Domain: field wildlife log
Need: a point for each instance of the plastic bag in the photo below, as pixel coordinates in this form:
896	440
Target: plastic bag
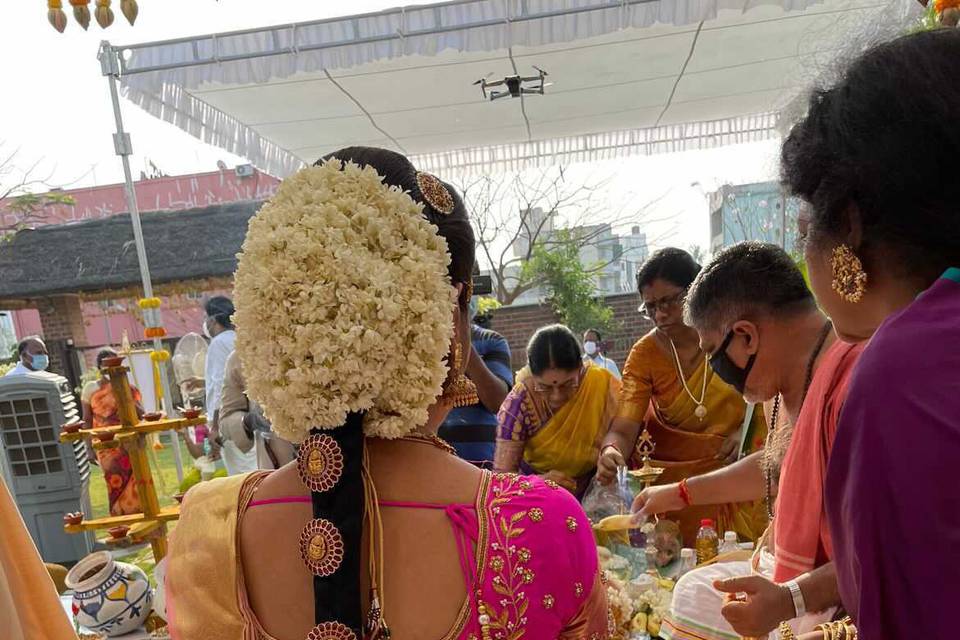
602	500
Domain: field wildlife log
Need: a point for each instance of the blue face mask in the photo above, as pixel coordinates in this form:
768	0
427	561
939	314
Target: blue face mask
40	362
474	307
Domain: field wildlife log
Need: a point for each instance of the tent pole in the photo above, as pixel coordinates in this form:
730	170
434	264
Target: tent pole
110	67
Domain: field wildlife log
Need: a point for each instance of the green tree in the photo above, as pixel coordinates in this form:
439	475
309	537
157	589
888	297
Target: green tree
569	284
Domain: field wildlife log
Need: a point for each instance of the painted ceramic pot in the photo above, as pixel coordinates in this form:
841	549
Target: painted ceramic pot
109	597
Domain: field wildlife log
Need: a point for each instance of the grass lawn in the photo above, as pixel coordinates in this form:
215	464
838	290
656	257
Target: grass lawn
165	478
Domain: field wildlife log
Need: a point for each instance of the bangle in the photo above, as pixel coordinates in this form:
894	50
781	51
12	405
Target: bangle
799	606
786	633
684	492
614	447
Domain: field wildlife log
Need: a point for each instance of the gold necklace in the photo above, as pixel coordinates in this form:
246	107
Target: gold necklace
431	439
701	410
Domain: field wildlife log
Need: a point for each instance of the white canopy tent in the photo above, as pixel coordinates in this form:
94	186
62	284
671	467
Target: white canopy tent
630	77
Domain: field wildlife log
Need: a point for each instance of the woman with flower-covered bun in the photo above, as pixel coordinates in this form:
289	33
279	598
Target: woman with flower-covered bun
352	293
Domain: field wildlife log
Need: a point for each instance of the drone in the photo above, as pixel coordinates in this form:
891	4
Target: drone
514	85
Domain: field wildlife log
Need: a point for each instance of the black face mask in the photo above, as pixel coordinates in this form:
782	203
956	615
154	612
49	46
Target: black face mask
724	367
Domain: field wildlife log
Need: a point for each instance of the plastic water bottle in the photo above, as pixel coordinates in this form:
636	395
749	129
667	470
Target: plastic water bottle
730	543
688	560
708	543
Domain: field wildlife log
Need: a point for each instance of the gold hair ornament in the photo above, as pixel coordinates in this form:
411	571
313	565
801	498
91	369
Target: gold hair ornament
435	193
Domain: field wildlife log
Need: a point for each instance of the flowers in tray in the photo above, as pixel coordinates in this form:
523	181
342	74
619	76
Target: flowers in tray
343	304
637	604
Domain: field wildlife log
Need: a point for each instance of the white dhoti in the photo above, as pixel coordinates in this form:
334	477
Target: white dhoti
695	609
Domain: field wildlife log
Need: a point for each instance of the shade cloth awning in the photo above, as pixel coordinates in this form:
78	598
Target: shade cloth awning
629	76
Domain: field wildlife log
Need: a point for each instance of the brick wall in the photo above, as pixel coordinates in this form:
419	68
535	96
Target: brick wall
62	320
518	323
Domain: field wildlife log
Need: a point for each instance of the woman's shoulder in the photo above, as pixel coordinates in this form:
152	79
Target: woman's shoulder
648	343
218	495
549	513
541	527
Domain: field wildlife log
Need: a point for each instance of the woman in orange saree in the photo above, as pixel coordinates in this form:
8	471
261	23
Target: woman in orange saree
698	422
100	409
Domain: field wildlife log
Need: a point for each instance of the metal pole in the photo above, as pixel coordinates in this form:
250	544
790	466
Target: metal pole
110	67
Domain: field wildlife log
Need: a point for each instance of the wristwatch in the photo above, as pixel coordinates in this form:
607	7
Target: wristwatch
799	606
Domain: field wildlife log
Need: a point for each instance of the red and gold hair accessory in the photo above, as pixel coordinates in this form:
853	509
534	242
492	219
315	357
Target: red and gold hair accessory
435	193
321	547
320	462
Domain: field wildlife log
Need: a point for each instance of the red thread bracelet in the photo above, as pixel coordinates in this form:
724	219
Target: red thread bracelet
684	492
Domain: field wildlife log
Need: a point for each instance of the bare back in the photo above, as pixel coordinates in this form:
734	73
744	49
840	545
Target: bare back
425	589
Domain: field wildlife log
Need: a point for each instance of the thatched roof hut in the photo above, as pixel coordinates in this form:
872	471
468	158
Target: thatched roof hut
100	254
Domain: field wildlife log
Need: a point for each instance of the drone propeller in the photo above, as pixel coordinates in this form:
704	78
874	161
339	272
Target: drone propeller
484	78
541	71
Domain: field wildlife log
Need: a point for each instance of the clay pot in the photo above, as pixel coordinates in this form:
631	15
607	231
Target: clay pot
152	416
116	361
190	414
73	518
110	597
118	531
105	437
72	427
179	498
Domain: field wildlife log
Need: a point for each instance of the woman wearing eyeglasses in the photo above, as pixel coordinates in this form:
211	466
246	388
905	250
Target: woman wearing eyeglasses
553	421
695	418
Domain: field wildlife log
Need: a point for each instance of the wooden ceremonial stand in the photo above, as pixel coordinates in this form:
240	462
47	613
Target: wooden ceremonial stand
131	434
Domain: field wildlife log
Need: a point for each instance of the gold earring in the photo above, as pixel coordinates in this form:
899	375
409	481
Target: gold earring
849	278
462	392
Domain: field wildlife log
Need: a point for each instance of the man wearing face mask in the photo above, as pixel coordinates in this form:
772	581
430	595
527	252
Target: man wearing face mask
766	337
33	357
592	341
218	327
473	430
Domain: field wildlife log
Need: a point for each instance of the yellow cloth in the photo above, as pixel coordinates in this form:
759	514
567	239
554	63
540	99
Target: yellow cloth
569	442
29	604
202	580
687	446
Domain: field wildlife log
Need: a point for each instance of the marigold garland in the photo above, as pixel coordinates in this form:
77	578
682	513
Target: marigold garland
343	304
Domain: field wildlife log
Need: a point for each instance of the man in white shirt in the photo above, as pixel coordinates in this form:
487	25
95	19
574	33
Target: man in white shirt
592	342
218	327
33	357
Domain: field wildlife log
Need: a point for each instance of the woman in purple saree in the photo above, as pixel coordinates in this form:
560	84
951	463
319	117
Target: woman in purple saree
876	160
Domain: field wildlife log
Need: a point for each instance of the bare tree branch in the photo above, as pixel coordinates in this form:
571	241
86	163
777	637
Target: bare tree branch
25	198
513	215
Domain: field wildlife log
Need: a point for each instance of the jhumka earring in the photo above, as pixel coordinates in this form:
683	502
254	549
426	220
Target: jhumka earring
849	278
462	392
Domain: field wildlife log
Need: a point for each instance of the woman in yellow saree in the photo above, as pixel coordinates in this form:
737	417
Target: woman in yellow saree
553	421
697	421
